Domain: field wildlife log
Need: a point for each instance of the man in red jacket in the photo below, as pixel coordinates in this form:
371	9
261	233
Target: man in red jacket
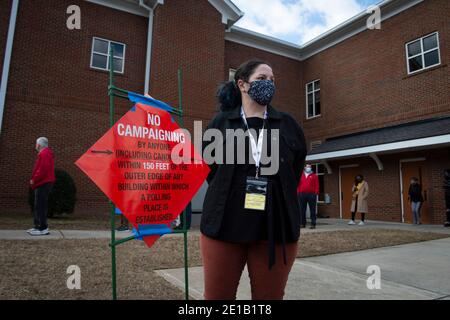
308	190
41	182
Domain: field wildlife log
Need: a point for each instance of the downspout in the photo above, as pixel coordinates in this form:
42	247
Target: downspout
7	59
149	43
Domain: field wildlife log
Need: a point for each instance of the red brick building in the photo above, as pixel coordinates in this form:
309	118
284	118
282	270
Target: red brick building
374	102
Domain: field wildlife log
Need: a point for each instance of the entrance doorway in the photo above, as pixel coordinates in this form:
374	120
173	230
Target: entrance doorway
408	169
346	180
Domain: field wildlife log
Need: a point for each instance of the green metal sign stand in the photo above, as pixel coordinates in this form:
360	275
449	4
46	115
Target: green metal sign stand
113	92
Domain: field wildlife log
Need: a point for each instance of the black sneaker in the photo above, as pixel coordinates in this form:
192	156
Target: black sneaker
122	228
312	227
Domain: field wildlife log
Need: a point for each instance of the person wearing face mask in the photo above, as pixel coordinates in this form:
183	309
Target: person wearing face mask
447	196
308	190
360	192
41	182
250	216
415	198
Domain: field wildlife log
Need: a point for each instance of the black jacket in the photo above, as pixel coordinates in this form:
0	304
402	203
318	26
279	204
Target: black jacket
291	161
415	193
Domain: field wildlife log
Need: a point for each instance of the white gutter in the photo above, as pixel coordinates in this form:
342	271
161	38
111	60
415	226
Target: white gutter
386	147
149	43
7	59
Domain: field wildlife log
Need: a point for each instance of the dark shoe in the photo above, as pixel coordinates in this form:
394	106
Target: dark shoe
303	226
122	228
447	224
312	227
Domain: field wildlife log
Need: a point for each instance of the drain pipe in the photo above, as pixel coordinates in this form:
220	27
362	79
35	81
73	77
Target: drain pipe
149	42
7	59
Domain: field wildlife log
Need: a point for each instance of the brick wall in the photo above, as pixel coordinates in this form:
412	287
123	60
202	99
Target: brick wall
189	35
53	92
5	12
364	81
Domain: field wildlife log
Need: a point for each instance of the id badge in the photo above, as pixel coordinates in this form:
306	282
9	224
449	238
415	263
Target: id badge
255	193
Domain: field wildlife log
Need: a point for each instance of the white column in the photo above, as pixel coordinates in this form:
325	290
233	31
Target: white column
7	60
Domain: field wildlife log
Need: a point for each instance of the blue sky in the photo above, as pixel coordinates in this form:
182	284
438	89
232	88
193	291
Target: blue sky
297	21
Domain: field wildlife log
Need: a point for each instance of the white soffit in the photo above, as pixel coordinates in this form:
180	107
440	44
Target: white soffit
262	42
386	147
130	6
230	12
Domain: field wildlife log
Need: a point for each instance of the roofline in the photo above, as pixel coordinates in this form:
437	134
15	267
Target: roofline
121	5
263	42
341	32
385	147
400	125
230	12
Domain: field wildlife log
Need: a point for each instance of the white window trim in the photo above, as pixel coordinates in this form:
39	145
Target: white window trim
316	164
422	53
314	99
229	73
107	55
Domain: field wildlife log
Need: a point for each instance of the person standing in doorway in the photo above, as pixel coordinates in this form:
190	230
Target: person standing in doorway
308	190
447	196
415	198
41	182
360	192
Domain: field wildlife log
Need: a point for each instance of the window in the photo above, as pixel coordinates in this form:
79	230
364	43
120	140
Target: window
100	55
319	169
313	99
315	144
231	74
423	53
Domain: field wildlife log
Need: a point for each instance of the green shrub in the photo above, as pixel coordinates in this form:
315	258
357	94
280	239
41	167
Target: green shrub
62	197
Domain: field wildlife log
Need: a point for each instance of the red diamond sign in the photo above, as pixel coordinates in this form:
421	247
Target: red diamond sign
147	166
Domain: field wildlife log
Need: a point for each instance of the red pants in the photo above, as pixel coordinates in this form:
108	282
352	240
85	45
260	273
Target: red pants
224	262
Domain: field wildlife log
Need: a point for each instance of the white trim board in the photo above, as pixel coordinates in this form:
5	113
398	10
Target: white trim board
394	146
265	43
230	12
403	5
121	5
7	57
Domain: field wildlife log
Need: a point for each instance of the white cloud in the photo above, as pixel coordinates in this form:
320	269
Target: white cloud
296	21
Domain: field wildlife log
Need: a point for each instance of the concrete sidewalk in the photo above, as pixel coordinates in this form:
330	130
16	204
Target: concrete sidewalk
417	271
323	225
340	224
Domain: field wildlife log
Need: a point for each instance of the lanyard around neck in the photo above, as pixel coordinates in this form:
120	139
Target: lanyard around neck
256	146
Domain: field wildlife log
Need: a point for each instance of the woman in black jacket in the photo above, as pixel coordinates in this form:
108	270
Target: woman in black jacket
251	215
415	198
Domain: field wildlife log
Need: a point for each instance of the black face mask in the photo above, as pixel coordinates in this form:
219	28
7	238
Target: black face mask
262	91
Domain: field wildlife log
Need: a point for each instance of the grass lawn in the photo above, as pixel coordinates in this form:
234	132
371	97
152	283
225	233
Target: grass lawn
37	269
